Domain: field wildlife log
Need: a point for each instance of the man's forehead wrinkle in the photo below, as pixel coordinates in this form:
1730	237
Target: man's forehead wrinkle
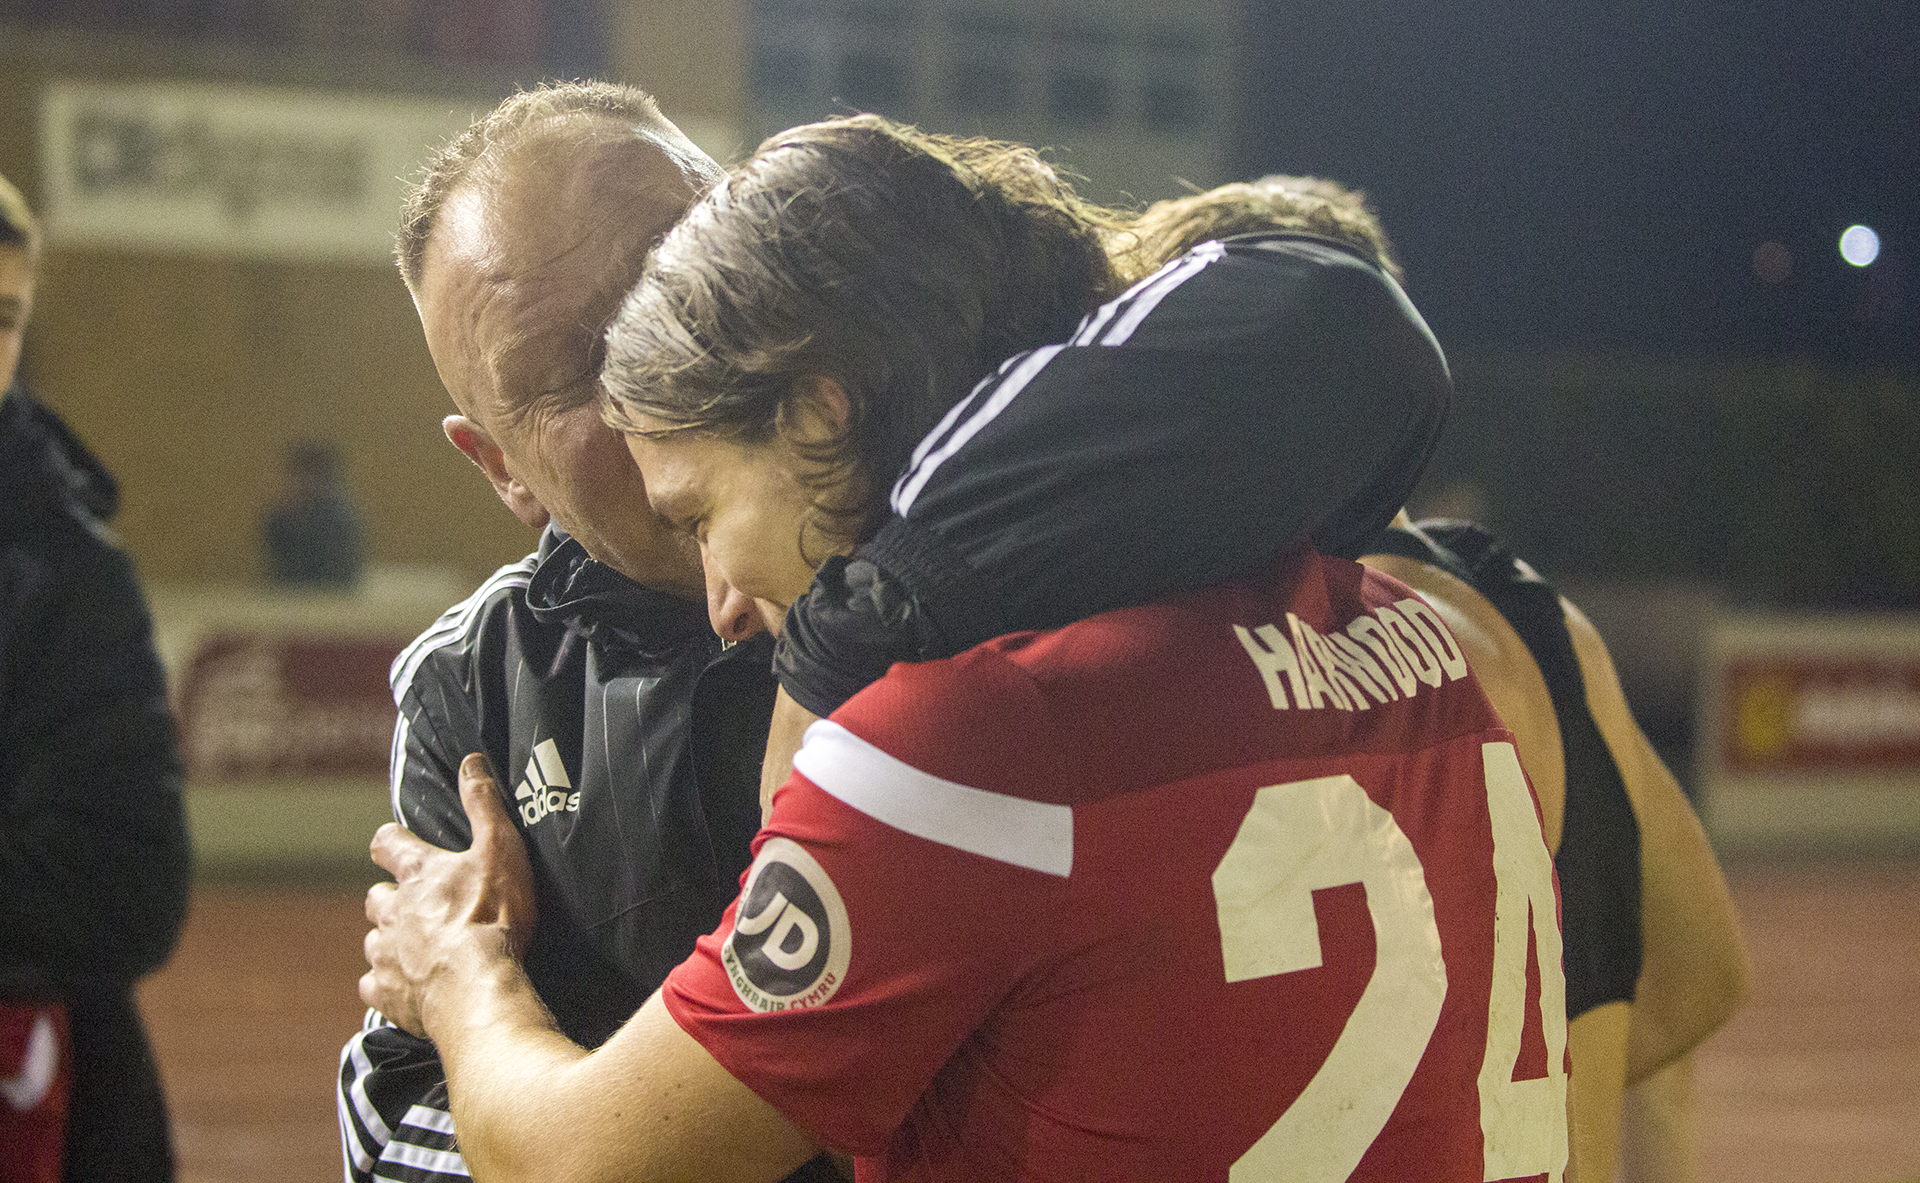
539	350
549	304
598	234
547	191
597	166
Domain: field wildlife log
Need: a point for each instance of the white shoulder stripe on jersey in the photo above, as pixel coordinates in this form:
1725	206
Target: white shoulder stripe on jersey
1091	325
1093	322
1160	287
938	435
1016	381
1008	829
934	438
455	622
1130	309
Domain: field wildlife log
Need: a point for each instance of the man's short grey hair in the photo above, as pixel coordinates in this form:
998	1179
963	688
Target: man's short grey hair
553	110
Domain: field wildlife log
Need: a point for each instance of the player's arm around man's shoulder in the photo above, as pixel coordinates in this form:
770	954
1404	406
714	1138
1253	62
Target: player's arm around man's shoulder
649	1104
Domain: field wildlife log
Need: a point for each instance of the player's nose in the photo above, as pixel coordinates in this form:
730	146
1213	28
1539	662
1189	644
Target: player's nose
734	617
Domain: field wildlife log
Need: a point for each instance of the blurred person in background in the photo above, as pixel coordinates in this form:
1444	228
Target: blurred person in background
627	735
1653	954
94	856
313	536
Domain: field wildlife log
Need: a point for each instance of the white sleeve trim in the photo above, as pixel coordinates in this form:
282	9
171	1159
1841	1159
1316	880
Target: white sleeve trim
426	1117
397	765
357	1092
454	624
443	1162
1113	323
1147	296
998	826
911	482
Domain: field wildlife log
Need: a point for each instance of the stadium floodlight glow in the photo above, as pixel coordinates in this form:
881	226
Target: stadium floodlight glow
1859	245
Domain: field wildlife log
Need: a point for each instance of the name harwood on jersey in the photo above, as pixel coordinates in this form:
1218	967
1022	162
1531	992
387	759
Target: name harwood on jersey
1388	652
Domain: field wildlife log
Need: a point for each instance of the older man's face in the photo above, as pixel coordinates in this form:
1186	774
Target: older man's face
517	283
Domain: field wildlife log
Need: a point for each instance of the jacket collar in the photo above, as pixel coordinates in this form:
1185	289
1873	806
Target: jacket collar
43	460
570	588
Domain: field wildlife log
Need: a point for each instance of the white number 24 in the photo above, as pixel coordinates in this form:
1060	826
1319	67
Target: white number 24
1301	837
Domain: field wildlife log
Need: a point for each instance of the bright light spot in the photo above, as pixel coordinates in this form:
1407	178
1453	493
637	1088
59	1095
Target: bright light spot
1859	245
1772	262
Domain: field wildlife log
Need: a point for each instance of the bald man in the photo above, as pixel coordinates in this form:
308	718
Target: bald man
626	734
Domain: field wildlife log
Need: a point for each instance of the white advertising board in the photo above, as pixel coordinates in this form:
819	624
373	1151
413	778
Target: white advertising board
1811	730
232	171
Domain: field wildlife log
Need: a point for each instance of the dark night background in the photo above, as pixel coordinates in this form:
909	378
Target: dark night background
1598	175
1577	192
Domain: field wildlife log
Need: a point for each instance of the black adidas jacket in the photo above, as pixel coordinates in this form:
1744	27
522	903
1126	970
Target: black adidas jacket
627	741
94	858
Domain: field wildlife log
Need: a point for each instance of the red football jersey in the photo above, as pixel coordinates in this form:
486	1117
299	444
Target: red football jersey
1245	885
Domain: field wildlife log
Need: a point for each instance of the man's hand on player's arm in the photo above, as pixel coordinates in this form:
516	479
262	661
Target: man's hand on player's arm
529	1103
450	913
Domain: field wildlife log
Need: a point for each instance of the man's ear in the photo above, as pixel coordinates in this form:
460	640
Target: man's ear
473	440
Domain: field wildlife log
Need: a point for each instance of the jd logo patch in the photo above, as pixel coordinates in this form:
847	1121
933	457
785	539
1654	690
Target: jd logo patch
790	942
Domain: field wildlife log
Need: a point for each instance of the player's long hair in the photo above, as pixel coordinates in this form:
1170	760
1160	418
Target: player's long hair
1168	229
901	264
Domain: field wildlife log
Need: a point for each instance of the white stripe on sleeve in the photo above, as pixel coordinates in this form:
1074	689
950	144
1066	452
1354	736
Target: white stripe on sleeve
1016	381
453	623
1160	287
397	764
444	1162
998	826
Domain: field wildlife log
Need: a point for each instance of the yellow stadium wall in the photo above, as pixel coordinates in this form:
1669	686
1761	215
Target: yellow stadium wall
188	375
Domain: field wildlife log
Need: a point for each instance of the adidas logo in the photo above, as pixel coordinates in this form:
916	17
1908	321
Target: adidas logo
544	789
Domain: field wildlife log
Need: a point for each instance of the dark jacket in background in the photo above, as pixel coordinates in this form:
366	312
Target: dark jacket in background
94	857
